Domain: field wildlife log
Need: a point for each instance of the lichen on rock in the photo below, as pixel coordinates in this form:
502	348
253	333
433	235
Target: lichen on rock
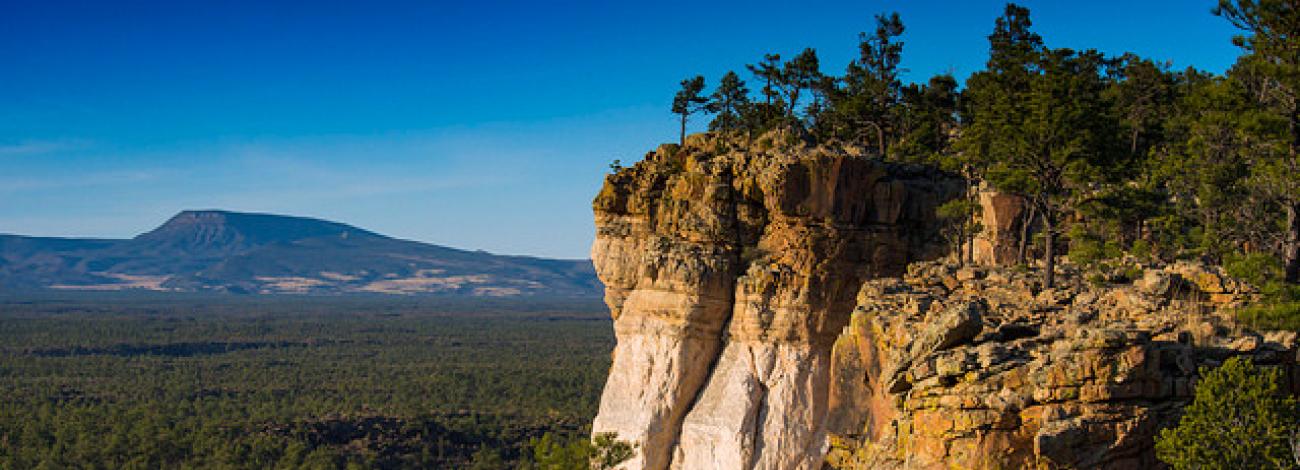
1078	376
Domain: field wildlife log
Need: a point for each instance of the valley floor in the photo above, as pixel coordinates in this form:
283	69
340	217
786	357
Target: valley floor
169	382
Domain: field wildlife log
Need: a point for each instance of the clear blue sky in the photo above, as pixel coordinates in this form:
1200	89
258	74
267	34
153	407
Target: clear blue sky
484	125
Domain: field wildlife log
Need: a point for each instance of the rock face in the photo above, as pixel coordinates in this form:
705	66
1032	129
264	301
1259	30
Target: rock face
1002	217
729	276
1071	377
775	310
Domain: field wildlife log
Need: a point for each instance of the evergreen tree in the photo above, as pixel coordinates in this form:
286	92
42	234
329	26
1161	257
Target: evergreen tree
867	106
1270	69
1240	418
994	102
1143	95
728	102
1038	122
688	101
799	74
762	115
927	120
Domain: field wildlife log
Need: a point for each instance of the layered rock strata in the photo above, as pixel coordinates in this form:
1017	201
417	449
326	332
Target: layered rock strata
985	369
729	275
774	310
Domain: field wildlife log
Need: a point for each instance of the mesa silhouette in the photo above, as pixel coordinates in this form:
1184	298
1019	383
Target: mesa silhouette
245	253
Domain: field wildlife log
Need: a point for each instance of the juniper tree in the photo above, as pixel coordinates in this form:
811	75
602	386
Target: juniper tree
1241	417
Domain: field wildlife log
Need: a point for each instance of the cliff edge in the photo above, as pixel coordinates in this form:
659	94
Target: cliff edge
785	309
729	275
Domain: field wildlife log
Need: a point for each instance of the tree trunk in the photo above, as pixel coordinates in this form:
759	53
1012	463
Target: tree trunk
1049	251
1026	222
682	140
972	196
1133	143
1291	250
880	140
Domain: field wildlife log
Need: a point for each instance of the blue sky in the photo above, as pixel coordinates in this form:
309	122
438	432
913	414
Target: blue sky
484	125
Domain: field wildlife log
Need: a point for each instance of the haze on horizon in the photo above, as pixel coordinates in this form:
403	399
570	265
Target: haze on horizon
479	125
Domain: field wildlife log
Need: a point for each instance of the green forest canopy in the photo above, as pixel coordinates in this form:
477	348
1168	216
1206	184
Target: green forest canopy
1119	150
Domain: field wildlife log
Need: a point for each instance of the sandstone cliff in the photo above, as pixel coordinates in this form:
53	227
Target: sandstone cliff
767	317
729	275
983	368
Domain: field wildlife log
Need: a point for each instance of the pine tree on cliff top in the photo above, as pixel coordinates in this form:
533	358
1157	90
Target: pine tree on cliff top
872	91
1038	122
728	102
1270	69
688	101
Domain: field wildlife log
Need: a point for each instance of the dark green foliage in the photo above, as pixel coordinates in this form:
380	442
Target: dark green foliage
1270	72
1240	418
603	452
1172	164
1037	121
729	102
688	101
928	117
799	74
866	109
146	382
1279	306
959	222
1090	246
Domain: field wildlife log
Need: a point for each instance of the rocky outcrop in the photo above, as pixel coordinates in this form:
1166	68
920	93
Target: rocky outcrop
1002	222
775	310
729	275
1072	377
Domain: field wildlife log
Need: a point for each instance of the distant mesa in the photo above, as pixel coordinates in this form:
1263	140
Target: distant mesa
248	253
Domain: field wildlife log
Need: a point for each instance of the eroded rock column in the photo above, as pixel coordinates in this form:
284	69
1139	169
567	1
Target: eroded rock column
666	249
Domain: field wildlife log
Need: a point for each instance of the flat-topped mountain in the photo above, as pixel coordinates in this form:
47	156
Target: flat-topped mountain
223	251
218	232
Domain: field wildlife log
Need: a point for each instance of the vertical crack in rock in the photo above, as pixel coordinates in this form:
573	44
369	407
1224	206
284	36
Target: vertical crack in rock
771	246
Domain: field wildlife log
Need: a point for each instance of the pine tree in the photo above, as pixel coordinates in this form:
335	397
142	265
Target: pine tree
1038	122
1270	69
868	105
688	101
994	102
799	74
728	102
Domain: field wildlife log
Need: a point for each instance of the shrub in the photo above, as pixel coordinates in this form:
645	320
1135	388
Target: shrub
1240	418
1141	249
1133	273
1279	305
1256	268
603	452
1088	247
1272	316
